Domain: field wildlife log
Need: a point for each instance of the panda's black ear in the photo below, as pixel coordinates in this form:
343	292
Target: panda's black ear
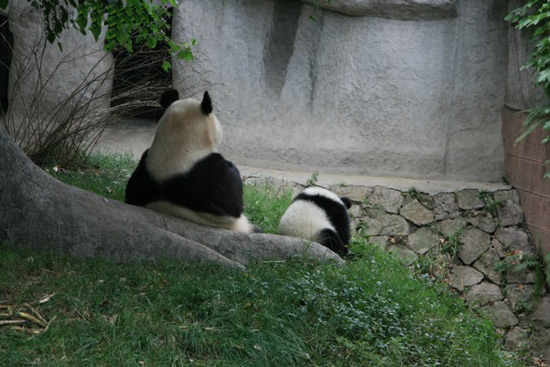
168	97
206	104
346	201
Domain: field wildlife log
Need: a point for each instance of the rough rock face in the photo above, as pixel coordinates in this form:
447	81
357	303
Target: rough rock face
362	94
38	84
397	9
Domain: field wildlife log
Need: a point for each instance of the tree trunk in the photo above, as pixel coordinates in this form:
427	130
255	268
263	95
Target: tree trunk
41	213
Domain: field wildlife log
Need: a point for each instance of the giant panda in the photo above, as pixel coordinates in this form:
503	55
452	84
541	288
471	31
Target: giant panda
319	215
183	174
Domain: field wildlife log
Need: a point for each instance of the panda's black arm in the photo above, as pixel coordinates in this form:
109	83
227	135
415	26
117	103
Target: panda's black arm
141	188
330	239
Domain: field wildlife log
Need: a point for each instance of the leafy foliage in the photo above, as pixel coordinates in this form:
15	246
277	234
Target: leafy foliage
122	19
535	14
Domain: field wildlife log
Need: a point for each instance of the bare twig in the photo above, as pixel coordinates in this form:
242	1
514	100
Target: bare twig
71	128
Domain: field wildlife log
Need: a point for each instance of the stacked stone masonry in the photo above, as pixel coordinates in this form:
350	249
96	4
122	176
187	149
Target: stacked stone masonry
479	237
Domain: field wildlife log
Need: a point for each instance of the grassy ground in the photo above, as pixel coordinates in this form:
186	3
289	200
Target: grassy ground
371	312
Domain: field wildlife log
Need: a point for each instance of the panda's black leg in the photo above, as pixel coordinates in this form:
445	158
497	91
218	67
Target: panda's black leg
330	239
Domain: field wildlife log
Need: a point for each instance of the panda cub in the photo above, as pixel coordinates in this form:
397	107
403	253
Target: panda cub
183	174
319	215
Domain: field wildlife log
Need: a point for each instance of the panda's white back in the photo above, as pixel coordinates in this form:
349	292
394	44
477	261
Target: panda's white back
304	219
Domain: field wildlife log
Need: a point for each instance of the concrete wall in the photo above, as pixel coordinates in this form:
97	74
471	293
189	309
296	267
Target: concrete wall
407	89
525	169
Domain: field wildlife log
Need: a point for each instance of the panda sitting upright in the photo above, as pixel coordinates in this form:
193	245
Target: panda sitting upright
319	215
182	173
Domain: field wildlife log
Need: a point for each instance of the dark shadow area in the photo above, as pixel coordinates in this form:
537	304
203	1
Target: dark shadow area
139	79
280	44
6	51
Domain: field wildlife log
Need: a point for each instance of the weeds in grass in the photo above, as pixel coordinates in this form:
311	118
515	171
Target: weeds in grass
452	244
491	205
519	262
312	181
265	204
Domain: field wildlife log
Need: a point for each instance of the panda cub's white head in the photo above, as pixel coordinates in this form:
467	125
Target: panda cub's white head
319	215
187	132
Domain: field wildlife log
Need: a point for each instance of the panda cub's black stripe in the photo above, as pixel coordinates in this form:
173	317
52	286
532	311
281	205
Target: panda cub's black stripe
335	212
213	185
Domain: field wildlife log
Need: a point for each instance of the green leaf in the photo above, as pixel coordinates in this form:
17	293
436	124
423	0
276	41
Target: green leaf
50	37
544	75
96	30
151	43
526	132
4	4
166	65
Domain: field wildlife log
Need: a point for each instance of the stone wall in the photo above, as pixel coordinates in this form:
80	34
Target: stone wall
402	88
470	239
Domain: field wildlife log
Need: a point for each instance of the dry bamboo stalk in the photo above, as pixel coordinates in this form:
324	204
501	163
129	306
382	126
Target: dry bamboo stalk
12	322
36	313
32	318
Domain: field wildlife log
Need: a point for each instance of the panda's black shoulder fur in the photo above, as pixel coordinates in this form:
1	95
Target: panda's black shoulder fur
335	211
168	97
213	185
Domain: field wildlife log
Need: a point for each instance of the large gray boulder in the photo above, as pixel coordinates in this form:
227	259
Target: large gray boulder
43	214
364	95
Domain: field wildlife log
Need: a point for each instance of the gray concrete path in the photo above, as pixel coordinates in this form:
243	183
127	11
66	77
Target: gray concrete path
133	136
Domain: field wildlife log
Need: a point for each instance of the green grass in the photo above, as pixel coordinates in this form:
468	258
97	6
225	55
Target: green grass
265	204
371	312
104	175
